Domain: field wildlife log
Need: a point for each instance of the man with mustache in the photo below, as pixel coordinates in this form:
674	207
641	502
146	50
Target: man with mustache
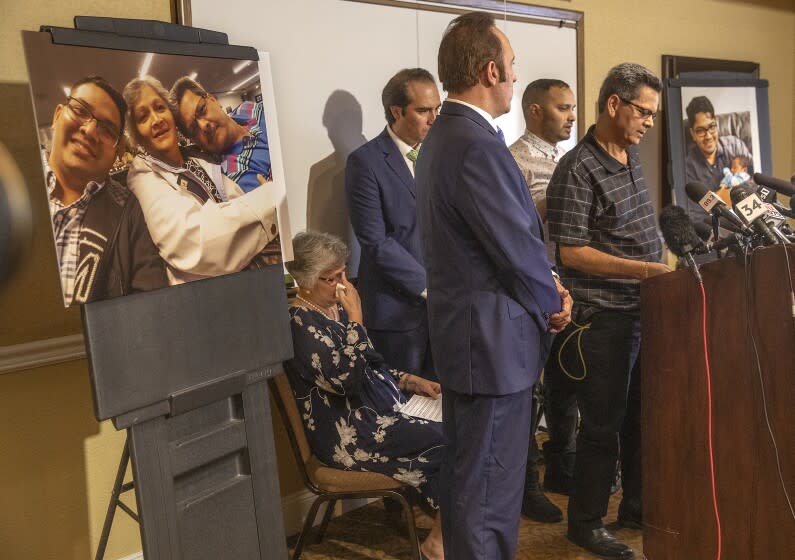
240	139
602	219
549	113
103	246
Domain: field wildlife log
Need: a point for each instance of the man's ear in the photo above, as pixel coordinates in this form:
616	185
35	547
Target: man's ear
57	113
396	112
492	73
612	105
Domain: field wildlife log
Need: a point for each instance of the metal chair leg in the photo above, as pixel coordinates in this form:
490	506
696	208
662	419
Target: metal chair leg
410	525
114	500
326	518
307	528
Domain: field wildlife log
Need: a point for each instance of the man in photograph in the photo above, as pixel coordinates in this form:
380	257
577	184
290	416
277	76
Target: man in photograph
602	218
379	183
493	302
548	107
711	153
103	246
239	138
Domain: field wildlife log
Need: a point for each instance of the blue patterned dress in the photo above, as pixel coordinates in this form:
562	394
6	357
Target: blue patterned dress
348	399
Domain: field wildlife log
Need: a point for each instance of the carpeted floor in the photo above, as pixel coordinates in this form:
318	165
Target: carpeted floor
369	532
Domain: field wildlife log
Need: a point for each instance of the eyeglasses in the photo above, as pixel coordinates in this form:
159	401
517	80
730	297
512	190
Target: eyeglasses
336	279
198	113
80	113
643	111
701	131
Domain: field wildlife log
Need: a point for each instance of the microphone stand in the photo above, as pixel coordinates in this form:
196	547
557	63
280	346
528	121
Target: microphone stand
716	232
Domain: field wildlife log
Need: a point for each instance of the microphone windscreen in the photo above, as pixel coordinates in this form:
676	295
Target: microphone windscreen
703	231
739	193
678	231
696	191
779	185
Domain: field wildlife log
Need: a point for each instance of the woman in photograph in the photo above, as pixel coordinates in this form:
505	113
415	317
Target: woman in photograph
348	397
201	221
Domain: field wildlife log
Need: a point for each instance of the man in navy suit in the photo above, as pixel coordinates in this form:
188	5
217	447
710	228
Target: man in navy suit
493	302
379	182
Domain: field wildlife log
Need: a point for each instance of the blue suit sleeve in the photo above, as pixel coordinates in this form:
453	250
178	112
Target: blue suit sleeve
397	265
495	206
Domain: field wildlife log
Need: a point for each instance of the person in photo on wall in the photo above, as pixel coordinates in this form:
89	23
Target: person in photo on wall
711	152
201	221
103	247
239	139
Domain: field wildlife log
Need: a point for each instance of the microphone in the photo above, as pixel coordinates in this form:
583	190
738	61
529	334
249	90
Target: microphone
768	196
779	185
712	204
681	236
753	212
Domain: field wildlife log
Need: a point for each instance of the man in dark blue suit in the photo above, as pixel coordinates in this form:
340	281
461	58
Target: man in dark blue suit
379	182
493	302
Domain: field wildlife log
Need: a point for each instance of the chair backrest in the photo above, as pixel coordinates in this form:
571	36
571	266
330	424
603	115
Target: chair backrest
291	416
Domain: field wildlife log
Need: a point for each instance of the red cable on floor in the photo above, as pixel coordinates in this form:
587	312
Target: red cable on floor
709	422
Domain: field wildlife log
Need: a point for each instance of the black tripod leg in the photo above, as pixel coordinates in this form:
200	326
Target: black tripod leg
114	500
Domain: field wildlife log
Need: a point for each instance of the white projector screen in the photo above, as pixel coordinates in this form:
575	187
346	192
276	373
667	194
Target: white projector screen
330	59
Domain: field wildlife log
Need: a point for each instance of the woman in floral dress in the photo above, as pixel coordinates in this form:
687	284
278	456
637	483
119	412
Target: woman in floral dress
349	398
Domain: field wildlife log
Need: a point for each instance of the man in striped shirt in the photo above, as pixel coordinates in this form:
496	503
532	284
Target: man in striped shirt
602	219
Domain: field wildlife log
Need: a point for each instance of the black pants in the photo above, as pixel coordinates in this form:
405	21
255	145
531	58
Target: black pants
604	360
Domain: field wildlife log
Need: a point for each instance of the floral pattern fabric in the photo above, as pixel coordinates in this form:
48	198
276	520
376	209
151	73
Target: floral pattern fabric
349	401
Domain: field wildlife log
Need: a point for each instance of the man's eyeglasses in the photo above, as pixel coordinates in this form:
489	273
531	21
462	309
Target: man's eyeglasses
336	279
642	111
198	113
701	131
80	112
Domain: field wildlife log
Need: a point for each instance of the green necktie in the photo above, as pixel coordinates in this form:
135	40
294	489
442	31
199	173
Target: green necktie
413	154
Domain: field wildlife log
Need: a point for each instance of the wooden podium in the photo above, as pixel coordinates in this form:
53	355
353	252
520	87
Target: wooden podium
679	521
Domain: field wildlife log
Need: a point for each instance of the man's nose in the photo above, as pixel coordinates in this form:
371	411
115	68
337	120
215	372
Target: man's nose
89	128
432	117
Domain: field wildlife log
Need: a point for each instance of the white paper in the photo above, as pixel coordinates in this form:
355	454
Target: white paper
423	407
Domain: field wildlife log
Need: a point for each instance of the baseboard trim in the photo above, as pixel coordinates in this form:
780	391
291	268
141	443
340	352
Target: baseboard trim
29	355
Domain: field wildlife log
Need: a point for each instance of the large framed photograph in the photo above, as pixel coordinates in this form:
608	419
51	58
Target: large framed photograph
159	168
718	129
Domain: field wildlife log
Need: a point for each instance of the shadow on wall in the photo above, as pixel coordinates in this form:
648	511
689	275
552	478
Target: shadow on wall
326	205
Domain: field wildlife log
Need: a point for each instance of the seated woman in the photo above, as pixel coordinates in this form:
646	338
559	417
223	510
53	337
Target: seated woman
202	223
348	396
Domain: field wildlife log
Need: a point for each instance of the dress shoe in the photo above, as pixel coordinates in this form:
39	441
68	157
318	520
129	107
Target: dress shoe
630	514
537	507
600	542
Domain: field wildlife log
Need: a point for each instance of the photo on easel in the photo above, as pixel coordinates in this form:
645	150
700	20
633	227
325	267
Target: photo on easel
159	169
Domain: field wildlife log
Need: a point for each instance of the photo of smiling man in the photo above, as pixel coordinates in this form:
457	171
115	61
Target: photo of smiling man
102	243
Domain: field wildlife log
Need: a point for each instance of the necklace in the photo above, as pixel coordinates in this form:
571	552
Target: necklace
316	308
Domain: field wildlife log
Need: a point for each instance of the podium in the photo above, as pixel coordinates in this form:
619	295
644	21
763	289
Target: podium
743	298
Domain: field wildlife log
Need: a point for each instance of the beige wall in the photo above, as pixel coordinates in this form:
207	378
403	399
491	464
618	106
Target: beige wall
640	31
56	462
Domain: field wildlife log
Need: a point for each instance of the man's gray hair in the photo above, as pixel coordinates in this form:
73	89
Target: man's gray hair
314	252
132	93
625	81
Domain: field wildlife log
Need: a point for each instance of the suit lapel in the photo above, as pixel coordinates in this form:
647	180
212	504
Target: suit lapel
394	160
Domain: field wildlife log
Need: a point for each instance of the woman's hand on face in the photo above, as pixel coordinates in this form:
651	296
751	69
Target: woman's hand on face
349	299
421	386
